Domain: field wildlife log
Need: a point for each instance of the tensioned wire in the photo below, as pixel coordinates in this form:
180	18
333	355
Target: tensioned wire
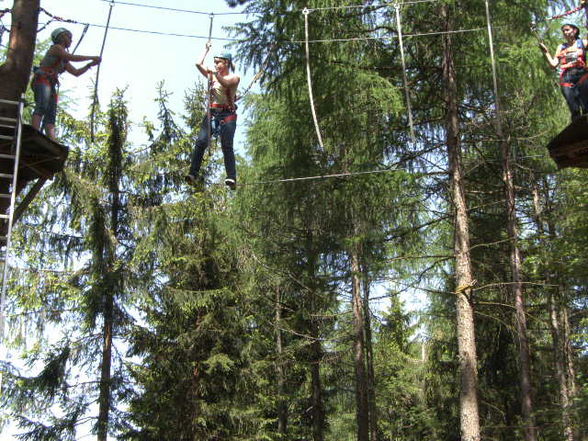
293	11
306	42
204	37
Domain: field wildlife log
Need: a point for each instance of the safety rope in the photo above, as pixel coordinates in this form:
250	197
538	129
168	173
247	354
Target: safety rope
305	12
583	5
320	177
57	18
565	14
81	37
404	75
258	75
95	97
209	100
493	61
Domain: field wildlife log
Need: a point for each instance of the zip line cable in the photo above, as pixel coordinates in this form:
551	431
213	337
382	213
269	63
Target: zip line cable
421	34
95	98
164	8
293	11
202	37
309	79
404	75
209	103
336	175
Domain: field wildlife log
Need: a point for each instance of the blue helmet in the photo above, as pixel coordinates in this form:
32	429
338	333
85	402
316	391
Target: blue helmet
226	56
57	33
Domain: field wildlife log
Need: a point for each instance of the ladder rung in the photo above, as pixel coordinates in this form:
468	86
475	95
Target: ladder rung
4	216
6	126
7	156
6	175
16	103
7	119
6	137
5	196
3	238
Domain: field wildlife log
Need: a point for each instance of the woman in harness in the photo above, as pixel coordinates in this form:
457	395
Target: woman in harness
223	116
571	59
46	78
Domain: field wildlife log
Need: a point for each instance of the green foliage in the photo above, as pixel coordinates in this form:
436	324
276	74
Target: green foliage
231	312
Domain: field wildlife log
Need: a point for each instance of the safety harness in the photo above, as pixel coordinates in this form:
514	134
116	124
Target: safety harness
49	74
572	56
229	107
225	108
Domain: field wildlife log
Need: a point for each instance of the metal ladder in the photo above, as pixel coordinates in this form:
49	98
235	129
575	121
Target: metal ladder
9	180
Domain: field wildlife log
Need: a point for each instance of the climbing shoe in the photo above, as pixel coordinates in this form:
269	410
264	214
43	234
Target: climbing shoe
231	183
194	181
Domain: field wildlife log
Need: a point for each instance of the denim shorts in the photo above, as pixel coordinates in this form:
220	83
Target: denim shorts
45	102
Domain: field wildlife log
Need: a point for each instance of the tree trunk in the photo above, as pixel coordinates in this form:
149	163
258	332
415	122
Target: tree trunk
557	326
361	384
105	374
316	350
16	70
469	417
517	285
369	352
116	140
282	405
560	369
568	351
318	411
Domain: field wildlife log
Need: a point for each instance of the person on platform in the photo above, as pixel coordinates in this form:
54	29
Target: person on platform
46	78
570	57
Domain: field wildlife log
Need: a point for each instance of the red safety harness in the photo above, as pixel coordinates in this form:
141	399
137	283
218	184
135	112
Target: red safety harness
575	58
226	108
49	74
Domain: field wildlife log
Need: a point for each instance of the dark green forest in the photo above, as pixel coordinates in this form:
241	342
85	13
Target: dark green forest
419	274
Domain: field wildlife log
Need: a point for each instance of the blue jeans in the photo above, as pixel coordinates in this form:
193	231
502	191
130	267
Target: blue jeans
576	95
226	131
45	102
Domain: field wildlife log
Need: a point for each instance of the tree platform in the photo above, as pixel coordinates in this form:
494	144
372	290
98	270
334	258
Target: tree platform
40	159
570	147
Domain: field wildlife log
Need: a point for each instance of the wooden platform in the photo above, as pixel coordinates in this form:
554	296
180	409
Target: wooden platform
570	147
40	159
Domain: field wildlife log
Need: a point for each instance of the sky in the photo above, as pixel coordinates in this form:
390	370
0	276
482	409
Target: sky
137	60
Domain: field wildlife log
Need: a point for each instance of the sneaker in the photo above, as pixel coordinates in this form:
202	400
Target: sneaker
231	183
190	179
195	182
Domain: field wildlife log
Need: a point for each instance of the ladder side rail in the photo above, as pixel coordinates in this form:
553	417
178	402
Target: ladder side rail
18	141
